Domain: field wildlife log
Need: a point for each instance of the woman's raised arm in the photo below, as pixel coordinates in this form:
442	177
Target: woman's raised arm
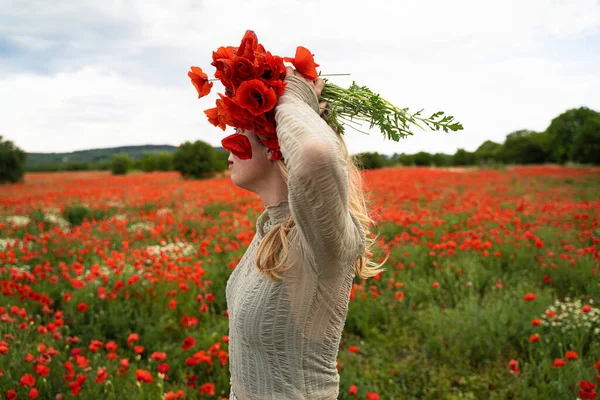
318	178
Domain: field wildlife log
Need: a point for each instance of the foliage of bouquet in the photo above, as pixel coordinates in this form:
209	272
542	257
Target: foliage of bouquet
254	79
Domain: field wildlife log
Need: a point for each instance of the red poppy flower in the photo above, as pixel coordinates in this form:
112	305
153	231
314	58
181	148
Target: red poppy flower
304	62
101	375
200	81
238	145
353	390
571	355
27	380
353	349
143	376
188	343
558	362
243	70
248	45
270	68
529	297
217	115
223	53
587	390
158	356
133	337
256	97
235	115
33	393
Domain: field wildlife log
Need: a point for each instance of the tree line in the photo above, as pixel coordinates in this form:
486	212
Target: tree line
573	136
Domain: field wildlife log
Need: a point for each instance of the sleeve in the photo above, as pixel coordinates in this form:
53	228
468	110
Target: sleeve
318	179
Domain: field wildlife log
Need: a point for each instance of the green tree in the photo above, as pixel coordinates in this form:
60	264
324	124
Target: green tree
148	163
164	161
463	157
369	160
586	146
12	162
525	147
120	164
196	160
422	158
488	152
406	159
563	130
441	160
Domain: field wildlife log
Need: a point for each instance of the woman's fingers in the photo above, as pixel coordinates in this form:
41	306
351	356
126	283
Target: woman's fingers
322	107
319	85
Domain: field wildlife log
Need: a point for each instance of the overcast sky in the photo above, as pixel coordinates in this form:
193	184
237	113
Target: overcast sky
86	74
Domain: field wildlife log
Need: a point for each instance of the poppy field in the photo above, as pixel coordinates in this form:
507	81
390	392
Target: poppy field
113	287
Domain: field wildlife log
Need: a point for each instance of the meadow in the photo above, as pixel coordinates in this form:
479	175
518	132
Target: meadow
114	286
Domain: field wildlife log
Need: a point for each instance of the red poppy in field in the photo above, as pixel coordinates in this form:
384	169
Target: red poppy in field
534	338
75	386
174	396
587	390
163	368
372	396
111	346
200	81
207	388
82	307
158	356
27	380
189	322
536	322
558	362
304	62
571	355
529	297
353	390
353	349
133	337
101	375
238	145
143	376
11	394
587	308
33	393
188	343
256	97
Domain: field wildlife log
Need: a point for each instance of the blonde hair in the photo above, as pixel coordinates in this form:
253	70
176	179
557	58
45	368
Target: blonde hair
273	249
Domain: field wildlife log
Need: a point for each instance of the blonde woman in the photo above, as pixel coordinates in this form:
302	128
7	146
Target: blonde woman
288	296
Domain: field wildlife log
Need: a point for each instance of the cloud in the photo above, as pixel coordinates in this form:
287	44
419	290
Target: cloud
101	74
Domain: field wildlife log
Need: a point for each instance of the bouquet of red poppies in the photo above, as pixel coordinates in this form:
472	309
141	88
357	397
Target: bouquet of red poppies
254	79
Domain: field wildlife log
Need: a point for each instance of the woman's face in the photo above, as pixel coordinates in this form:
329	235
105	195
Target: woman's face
251	174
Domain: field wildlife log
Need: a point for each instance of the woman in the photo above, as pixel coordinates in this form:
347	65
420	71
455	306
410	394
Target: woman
288	296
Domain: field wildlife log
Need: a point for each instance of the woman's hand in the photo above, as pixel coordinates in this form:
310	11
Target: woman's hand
317	86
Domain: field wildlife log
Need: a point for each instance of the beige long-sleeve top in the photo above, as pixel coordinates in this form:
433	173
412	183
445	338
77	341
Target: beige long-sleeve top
284	335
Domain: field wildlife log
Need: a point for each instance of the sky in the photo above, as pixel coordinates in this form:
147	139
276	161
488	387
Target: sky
84	74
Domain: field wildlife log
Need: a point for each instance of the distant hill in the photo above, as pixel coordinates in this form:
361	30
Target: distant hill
97	155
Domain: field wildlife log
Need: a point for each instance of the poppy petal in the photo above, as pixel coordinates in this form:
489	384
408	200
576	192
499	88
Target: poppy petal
238	145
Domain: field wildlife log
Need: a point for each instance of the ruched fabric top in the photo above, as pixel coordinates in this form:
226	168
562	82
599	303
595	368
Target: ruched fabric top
284	335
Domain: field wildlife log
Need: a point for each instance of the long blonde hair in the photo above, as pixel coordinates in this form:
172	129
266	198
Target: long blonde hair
273	249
